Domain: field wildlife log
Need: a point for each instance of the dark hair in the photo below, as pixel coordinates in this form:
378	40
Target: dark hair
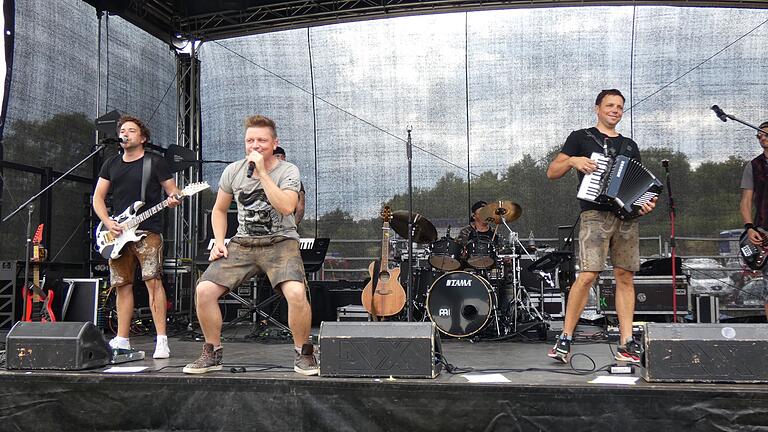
611	92
142	127
279	151
261	121
763	125
478	205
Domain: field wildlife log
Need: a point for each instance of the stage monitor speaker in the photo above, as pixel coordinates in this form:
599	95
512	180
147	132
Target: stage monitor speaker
706	353
56	345
379	349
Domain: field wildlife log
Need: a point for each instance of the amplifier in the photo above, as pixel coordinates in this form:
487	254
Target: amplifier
379	349
352	313
707	308
706	353
554	304
653	295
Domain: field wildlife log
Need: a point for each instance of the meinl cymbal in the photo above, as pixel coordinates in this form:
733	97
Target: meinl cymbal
423	230
496	210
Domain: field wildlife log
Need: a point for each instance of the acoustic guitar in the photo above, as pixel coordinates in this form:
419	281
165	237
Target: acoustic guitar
384	296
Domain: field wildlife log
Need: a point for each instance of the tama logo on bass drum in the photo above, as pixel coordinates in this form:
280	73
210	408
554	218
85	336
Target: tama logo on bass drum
459	282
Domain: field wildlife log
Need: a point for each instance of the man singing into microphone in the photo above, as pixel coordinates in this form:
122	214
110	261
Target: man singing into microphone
122	175
600	229
266	192
753	193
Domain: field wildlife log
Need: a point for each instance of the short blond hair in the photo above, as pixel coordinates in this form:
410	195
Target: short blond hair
261	121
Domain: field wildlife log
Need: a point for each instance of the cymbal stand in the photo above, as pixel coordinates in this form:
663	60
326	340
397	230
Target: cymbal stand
518	290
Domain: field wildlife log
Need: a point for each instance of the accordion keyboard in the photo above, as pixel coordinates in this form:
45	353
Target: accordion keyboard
591	184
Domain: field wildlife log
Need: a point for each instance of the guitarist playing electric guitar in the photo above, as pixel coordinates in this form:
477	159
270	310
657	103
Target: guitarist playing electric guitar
754	194
383	295
136	176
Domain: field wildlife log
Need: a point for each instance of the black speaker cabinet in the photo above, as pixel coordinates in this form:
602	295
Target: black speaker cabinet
706	353
57	345
379	349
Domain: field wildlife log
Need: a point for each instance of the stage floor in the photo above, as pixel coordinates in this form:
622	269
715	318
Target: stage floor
270	396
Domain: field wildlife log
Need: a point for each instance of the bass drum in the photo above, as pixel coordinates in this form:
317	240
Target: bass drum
460	303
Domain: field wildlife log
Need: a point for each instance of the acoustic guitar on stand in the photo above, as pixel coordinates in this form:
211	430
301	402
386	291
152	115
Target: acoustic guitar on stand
384	296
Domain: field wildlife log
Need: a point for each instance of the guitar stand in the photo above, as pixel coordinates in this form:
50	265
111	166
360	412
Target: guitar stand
255	309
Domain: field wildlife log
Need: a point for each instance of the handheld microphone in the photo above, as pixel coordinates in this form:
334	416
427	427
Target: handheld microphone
719	112
251	167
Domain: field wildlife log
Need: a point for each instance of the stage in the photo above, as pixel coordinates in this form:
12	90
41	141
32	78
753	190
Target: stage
270	396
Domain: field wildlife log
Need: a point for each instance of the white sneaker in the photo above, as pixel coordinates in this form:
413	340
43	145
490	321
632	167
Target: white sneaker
161	349
119	343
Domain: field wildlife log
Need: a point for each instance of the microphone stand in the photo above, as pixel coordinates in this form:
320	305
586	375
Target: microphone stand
99	148
724	117
672	240
409	293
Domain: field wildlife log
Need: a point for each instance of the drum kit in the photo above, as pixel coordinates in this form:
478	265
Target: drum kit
477	288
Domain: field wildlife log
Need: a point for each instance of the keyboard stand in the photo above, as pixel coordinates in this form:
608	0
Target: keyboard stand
255	309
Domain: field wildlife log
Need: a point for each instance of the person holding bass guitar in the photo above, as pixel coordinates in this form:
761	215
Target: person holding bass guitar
125	176
754	185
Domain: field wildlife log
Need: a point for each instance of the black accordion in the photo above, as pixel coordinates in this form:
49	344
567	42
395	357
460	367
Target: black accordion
621	182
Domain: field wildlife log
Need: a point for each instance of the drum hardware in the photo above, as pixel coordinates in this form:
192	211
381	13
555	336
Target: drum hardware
520	298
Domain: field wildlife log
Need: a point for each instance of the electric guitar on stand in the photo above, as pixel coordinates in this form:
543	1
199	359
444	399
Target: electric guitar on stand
383	295
37	302
110	246
754	256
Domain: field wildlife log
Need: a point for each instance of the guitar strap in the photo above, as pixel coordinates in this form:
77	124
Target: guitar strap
146	173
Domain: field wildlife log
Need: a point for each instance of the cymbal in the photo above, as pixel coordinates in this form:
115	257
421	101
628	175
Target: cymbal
495	211
423	230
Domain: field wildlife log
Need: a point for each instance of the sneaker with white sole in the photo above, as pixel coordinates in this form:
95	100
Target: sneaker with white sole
210	360
305	362
121	343
161	349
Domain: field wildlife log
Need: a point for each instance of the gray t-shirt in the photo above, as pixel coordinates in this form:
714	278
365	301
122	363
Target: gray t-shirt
255	215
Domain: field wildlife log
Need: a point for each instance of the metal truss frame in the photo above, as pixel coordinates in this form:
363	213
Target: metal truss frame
220	19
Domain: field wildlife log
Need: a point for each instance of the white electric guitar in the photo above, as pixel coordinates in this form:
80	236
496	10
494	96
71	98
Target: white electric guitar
110	246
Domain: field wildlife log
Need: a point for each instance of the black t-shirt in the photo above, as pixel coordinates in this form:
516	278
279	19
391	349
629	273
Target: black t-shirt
125	178
581	144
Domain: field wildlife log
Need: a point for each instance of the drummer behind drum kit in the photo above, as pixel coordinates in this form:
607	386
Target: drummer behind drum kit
468	289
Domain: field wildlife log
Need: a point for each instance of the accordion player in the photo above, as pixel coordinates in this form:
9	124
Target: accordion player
622	182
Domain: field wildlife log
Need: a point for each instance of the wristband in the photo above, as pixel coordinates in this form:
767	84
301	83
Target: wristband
749	226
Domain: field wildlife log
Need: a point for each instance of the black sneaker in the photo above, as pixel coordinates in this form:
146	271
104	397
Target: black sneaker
561	350
306	363
630	352
209	360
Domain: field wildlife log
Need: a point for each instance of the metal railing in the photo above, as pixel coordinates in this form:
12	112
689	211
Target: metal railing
661	248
